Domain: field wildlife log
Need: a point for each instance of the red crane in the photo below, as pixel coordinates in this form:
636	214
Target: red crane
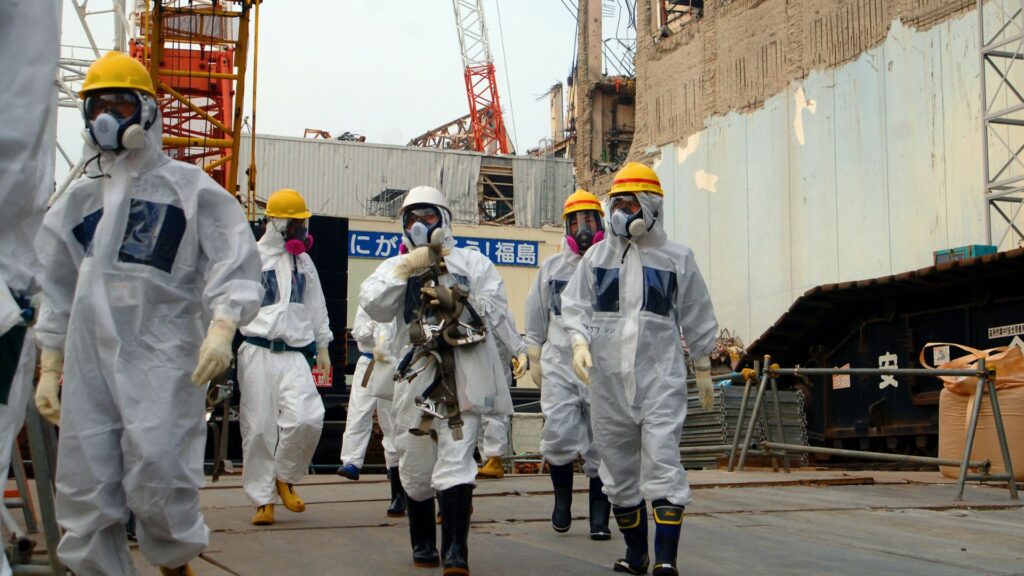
487	124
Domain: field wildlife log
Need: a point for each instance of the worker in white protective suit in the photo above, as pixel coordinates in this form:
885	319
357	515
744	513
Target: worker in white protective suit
373	340
493	443
564	399
281	414
29	48
444	465
137	253
493	446
624	309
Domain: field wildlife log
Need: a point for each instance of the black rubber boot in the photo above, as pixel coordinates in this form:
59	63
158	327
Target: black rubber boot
633	525
561	480
422	533
397	507
458	506
668	524
600	510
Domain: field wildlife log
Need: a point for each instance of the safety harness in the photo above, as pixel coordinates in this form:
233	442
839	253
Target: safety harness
435	333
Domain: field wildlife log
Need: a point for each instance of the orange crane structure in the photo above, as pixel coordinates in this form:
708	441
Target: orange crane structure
486	122
197	52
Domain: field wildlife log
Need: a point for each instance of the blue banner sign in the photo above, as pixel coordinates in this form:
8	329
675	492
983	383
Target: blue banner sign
365	244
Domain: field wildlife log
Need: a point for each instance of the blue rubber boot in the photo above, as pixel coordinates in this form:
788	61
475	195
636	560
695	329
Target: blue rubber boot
668	524
600	510
561	480
632	523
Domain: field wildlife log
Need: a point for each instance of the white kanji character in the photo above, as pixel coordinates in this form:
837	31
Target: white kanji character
505	252
526	254
472	245
888	360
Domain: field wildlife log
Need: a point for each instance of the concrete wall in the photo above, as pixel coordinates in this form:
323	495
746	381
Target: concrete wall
743	52
855	171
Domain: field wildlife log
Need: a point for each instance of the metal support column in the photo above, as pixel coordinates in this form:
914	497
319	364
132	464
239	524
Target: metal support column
41	443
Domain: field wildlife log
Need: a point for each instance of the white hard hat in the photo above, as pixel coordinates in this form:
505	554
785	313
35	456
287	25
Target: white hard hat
424	195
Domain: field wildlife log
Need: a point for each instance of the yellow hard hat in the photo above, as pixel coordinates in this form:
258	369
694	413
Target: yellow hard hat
117	70
581	200
287	203
635	177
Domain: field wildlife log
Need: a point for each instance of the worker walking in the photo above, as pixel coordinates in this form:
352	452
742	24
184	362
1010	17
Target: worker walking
624	309
137	253
449	378
493	446
373	340
564	398
281	413
29	48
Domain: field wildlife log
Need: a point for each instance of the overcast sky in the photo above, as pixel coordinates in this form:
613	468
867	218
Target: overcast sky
390	70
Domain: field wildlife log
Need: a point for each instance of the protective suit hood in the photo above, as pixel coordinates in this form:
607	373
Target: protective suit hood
272	241
569	255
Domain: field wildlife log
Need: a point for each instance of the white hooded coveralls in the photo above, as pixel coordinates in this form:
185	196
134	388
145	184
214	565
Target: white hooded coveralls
564	399
138	254
426	466
29	47
630	305
494	433
281	413
361	404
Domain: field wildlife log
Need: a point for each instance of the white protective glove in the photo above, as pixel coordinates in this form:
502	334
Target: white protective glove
412	262
215	353
519	365
581	361
323	360
705	388
380	349
51	366
533	352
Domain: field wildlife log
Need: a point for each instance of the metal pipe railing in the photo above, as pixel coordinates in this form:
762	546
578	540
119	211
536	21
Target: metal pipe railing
985	383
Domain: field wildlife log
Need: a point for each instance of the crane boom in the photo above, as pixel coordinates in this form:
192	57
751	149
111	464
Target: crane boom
489	134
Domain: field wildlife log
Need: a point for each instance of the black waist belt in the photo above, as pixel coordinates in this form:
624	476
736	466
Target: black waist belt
309	350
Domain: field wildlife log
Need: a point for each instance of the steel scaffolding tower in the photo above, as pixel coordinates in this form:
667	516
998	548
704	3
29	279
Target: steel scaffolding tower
1001	37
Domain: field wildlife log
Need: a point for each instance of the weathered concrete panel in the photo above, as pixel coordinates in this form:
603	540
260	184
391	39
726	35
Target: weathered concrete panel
862	192
854	172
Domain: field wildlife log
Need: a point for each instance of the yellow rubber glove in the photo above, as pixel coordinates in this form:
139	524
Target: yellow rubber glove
414	261
519	365
535	374
48	391
581	361
705	388
215	353
323	360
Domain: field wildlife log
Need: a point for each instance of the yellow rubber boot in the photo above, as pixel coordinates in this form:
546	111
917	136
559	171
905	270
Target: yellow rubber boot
289	497
493	468
183	571
264	515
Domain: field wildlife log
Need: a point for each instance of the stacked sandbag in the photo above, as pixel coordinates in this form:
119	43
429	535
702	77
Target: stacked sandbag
986	440
952	429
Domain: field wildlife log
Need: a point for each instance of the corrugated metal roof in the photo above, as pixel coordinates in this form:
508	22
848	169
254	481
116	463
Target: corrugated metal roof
343	178
822	308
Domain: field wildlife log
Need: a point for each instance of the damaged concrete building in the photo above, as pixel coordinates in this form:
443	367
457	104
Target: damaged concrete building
800	142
